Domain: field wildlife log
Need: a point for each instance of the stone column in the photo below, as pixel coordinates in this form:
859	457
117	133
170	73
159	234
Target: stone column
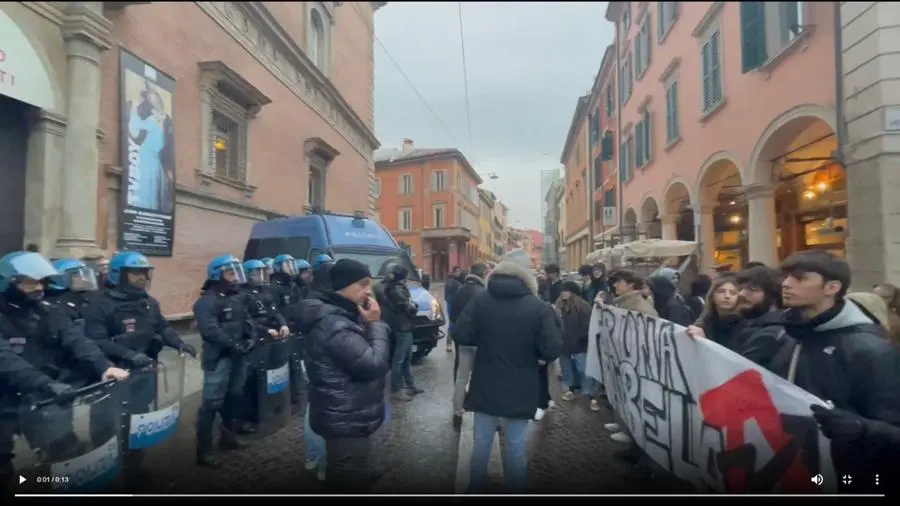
43	186
427	263
669	230
453	253
761	224
705	232
872	154
85	32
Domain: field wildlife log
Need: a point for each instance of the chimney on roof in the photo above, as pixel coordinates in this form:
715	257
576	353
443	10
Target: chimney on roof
407	146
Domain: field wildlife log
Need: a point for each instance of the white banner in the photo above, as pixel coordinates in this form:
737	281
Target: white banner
704	413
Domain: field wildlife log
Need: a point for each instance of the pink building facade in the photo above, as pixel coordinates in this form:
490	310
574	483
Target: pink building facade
727	127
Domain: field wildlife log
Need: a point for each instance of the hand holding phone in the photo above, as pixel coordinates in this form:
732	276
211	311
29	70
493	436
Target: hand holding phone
370	310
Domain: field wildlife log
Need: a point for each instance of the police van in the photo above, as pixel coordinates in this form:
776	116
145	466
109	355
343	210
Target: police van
350	236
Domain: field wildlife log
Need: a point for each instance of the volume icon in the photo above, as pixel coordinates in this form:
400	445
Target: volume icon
817	479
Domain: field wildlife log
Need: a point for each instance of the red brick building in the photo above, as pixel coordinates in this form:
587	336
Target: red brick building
266	108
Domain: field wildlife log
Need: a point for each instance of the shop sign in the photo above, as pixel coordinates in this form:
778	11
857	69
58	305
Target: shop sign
22	74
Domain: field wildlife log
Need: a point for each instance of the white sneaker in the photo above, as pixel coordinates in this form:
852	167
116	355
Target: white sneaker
612	427
539	414
312	464
621	437
320	475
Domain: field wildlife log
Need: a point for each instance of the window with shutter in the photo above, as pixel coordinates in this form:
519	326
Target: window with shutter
712	71
639	144
610	100
638	52
753	35
672	131
667	14
648	137
606	147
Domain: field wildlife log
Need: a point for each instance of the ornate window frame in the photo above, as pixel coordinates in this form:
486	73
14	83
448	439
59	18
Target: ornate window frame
223	91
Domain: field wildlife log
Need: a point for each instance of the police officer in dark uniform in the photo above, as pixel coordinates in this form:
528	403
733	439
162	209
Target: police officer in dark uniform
73	288
284	286
42	352
263	310
125	320
228	335
127	324
303	278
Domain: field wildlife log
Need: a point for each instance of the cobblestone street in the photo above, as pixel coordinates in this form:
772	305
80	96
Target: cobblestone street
570	452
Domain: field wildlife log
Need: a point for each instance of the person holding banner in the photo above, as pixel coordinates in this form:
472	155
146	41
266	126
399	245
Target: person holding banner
628	289
836	353
513	330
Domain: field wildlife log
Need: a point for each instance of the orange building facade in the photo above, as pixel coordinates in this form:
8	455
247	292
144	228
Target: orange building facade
428	199
575	199
602	120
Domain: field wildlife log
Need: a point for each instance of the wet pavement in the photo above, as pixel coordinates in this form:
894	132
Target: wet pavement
420	452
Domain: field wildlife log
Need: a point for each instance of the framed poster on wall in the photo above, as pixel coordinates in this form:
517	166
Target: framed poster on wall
147	218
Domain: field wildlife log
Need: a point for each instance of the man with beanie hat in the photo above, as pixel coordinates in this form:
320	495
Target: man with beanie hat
347	360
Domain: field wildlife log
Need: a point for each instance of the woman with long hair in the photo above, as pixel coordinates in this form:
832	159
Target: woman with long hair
576	318
721	314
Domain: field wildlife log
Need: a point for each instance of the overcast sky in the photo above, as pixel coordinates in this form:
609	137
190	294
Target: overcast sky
527	65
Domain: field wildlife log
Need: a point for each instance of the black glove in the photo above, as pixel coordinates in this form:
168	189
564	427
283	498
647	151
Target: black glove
139	360
840	426
244	347
62	392
187	348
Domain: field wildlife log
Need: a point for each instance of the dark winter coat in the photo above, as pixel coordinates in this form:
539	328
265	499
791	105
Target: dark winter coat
842	358
451	286
668	303
472	287
398	308
513	329
347	360
758	339
576	323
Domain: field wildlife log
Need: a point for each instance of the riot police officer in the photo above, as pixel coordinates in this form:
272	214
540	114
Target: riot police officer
304	276
321	280
71	290
270	265
42	351
263	310
284	268
125	320
228	335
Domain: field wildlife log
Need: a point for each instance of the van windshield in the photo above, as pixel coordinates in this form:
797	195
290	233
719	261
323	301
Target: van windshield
377	262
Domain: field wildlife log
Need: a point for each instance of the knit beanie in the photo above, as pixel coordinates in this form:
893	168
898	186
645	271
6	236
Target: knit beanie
346	272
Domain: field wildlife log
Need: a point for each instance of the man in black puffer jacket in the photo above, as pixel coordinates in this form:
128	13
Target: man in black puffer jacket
347	360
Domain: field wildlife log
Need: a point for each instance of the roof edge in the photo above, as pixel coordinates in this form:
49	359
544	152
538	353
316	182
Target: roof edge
580	107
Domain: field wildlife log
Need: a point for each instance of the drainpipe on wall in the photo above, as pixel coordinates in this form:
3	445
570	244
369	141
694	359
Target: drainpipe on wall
841	132
590	177
620	191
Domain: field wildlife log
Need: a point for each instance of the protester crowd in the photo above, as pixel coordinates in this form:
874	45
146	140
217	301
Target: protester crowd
84	322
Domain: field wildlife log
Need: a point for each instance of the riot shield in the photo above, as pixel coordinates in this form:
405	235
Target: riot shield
272	365
150	412
68	448
298	381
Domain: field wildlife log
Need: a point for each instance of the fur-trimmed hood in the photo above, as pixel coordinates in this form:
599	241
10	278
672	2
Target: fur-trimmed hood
510	280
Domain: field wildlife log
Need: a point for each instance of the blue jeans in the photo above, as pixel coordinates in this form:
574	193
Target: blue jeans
515	460
401	363
573	367
314	443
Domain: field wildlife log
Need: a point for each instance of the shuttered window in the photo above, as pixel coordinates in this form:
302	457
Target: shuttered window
672	128
712	71
667	14
753	35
